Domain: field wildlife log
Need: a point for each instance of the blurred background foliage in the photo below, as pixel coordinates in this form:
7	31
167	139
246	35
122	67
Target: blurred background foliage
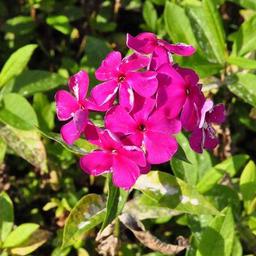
42	43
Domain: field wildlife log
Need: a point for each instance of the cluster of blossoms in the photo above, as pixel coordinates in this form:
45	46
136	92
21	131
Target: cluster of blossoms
147	99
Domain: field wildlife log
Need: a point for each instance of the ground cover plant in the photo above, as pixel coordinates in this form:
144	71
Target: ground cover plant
127	127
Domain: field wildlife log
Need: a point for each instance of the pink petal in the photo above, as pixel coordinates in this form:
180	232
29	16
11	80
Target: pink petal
196	140
142	107
125	172
81	119
179	48
66	105
118	119
158	122
91	133
171	93
109	66
143	43
135	154
96	163
92	105
133	62
105	92
69	132
109	140
144	83
159	57
160	147
146	169
188	75
217	115
208	105
190	115
211	141
126	96
78	85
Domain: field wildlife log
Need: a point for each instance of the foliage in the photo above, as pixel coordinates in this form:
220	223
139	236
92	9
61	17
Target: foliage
209	199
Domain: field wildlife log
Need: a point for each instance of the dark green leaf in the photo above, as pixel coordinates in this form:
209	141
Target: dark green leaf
218	237
230	166
6	216
115	202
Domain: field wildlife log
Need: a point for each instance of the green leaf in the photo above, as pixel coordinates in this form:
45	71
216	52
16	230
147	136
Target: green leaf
45	111
248	185
187	166
218	237
26	144
3	147
79	147
20	235
245	40
6	216
115	202
242	62
243	86
33	81
150	15
18	112
251	4
229	166
87	214
60	23
237	249
20	25
169	191
143	207
16	63
38	238
178	25
207	27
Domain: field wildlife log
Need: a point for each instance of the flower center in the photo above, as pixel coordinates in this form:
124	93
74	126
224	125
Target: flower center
121	78
187	91
142	127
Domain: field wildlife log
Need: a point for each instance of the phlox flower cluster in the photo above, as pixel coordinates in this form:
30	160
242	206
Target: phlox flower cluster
146	99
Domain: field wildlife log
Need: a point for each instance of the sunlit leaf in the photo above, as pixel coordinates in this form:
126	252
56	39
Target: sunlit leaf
87	214
169	191
16	63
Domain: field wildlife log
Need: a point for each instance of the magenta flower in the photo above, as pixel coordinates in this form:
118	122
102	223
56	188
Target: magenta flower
123	161
120	74
204	137
145	127
171	94
148	43
191	111
74	108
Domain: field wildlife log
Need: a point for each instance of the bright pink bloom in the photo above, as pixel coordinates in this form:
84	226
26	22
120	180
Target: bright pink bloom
123	161
191	111
204	137
120	74
171	94
148	43
147	128
74	108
